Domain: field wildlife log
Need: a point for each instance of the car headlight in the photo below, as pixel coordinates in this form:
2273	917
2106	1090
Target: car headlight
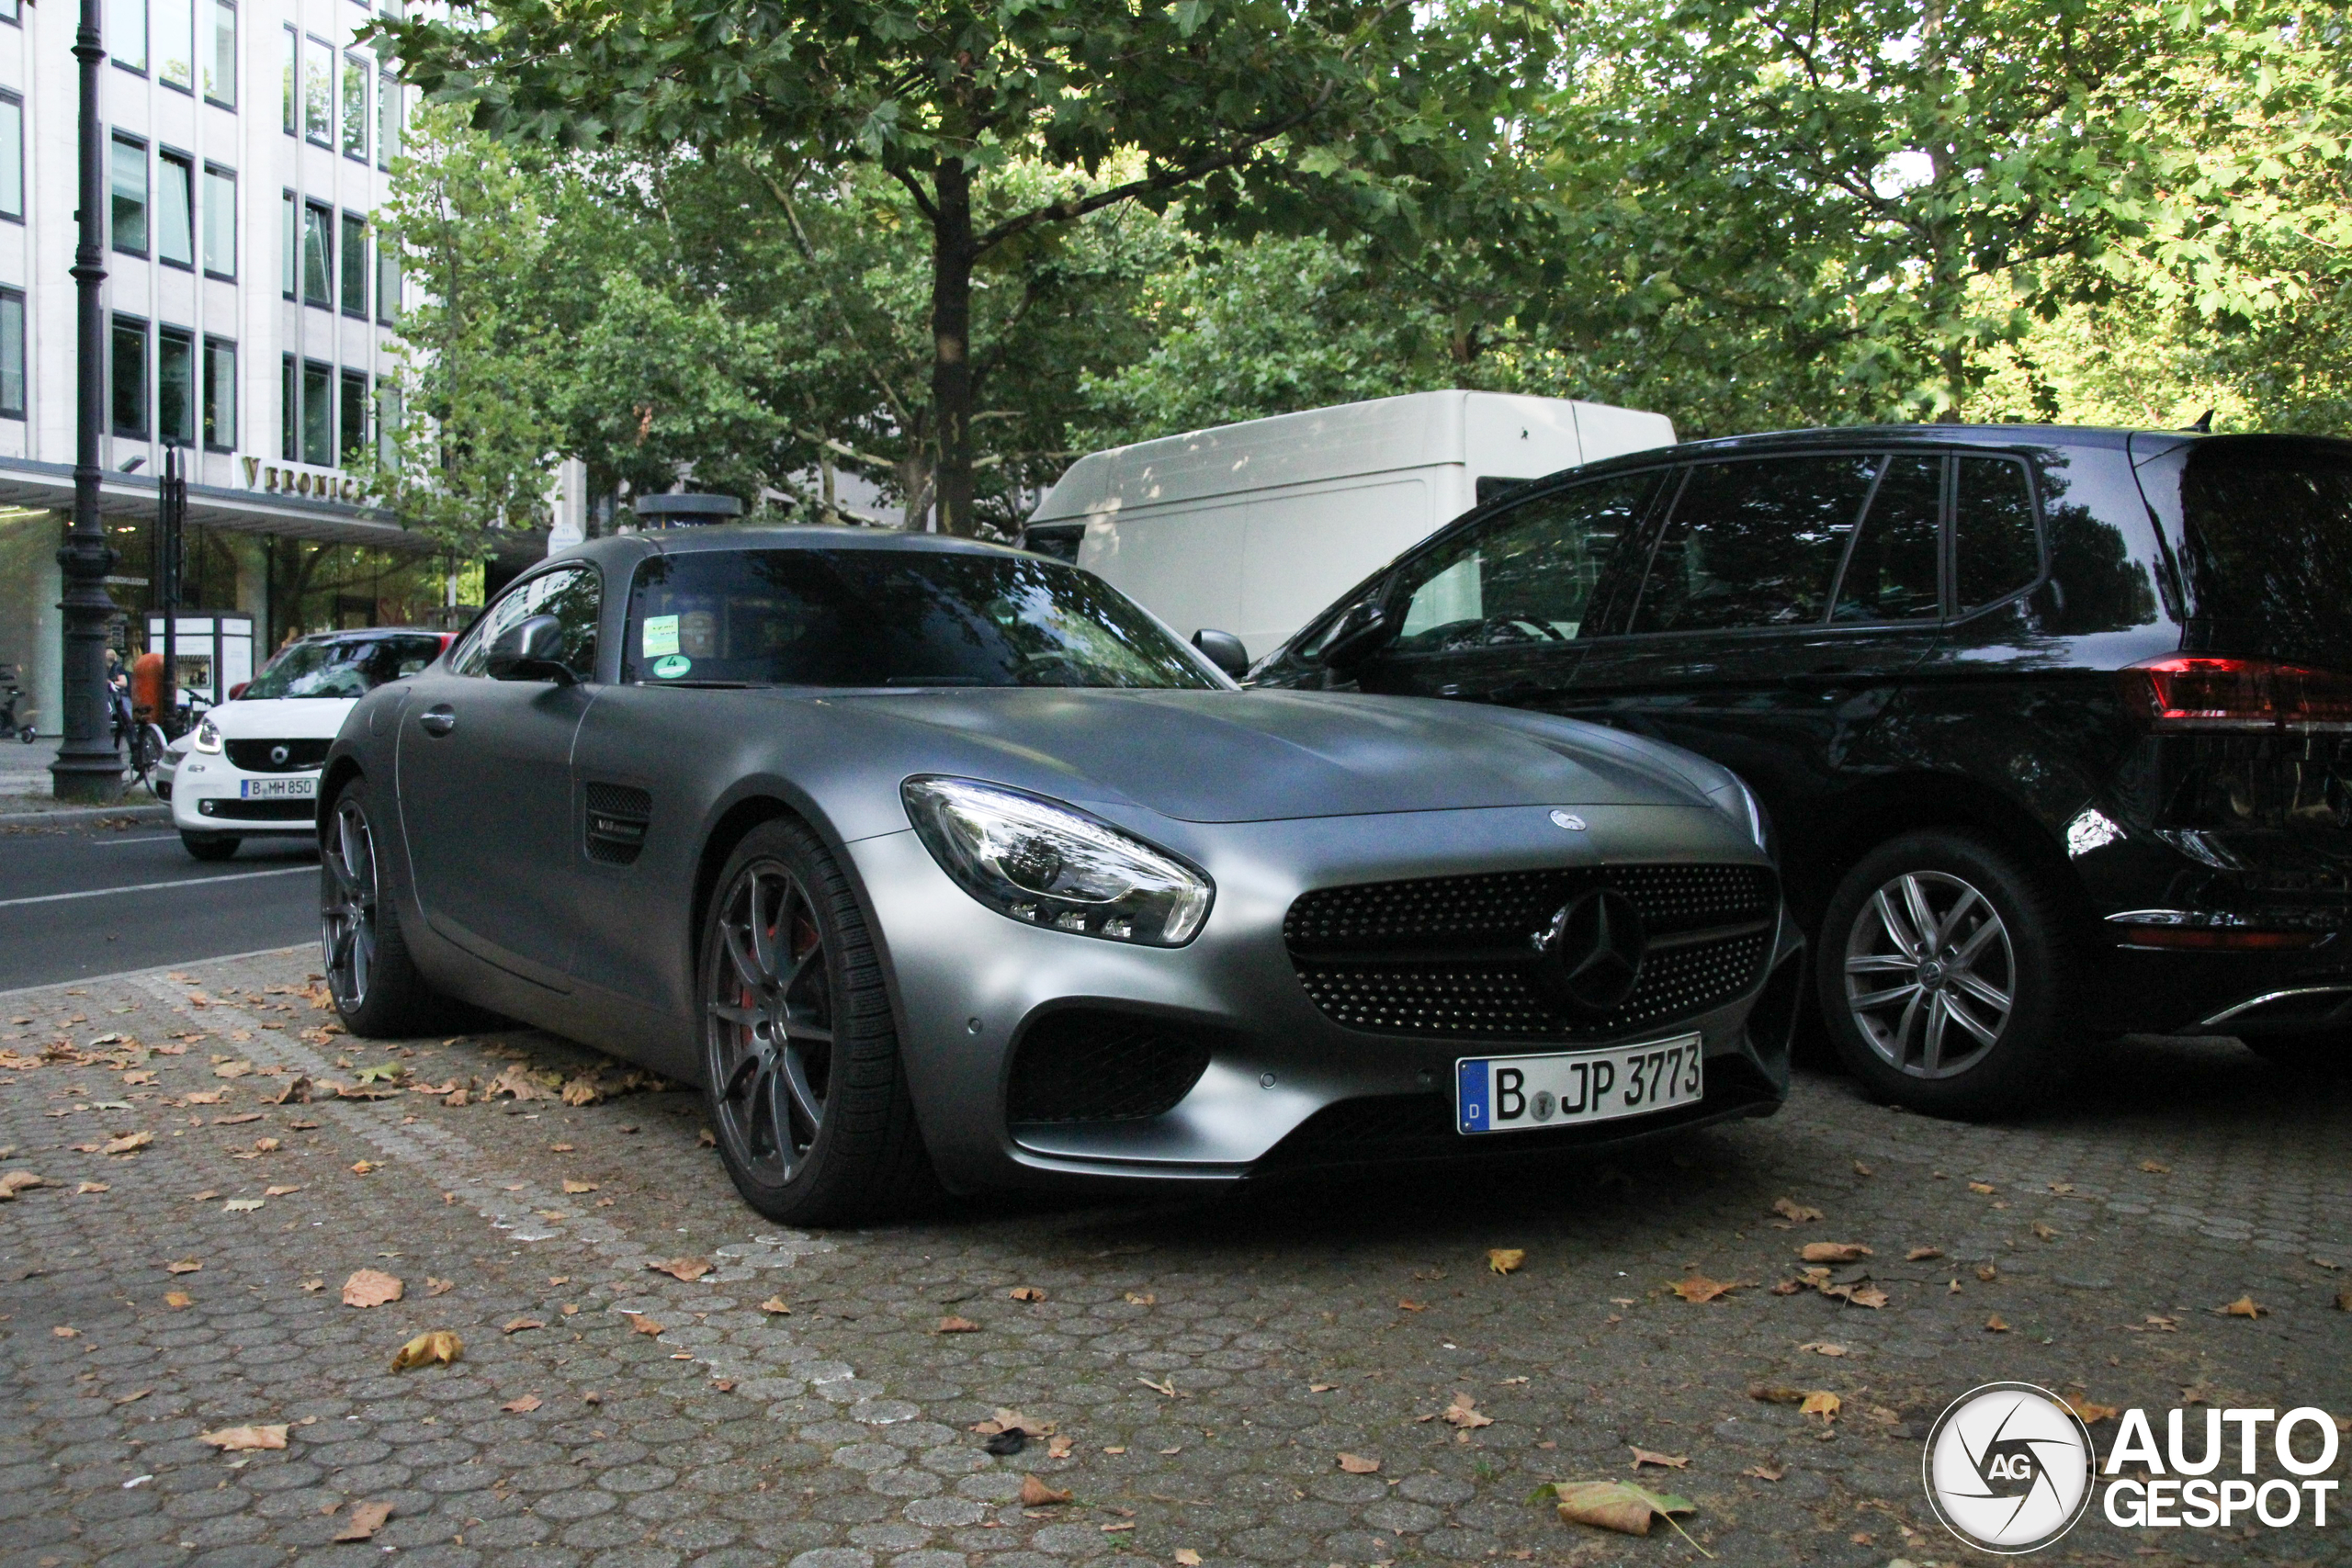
207	737
1048	864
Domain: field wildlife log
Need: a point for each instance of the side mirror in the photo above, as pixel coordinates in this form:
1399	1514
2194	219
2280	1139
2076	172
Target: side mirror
1362	632
530	650
238	690
1224	650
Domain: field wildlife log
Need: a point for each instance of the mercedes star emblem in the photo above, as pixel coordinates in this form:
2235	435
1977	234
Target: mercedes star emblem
1588	956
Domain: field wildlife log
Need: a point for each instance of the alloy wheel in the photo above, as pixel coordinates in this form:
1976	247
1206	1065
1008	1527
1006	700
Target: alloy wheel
1931	974
770	1024
347	906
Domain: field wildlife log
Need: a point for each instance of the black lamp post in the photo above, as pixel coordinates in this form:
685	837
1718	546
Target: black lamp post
87	767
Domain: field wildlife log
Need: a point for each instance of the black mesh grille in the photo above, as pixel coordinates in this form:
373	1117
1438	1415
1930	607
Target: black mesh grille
1449	957
1085	1065
254	756
617	818
260	810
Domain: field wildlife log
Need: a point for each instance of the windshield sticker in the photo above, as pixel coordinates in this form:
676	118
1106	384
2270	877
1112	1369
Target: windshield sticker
672	667
661	635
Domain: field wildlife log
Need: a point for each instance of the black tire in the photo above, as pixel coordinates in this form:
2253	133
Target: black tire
209	846
2000	977
802	1077
2325	1054
376	990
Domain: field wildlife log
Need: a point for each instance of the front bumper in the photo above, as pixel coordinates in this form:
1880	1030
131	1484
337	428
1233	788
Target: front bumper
1283	1085
210	794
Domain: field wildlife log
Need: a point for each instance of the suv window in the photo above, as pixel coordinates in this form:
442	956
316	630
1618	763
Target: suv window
1753	544
1891	570
1995	549
570	595
1525	575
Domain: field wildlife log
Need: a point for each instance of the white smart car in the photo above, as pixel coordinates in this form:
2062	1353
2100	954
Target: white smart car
251	767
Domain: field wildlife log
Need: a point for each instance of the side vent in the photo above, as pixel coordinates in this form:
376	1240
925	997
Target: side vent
617	815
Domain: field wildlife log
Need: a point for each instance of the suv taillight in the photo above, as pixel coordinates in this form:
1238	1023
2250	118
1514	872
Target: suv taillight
2202	692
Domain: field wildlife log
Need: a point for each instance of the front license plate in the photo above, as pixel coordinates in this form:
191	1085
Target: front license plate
279	789
1518	1094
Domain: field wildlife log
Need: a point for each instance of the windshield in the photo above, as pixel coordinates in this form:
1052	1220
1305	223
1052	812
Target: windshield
342	667
2268	534
891	617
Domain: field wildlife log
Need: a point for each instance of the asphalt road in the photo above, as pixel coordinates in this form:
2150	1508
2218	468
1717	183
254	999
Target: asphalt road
98	900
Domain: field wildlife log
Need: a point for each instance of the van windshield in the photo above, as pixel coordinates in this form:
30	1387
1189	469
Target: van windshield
2267	530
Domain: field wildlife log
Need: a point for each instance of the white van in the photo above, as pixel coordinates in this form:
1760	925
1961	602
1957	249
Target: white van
1251	528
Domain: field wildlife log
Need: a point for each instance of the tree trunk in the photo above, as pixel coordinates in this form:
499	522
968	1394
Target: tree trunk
951	339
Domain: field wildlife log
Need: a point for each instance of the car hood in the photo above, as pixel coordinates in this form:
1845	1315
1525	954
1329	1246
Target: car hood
1252	756
282	718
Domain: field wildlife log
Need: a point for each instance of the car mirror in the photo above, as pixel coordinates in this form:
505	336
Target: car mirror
530	650
1362	632
1224	650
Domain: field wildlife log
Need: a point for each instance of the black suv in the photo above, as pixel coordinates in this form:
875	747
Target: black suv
2054	724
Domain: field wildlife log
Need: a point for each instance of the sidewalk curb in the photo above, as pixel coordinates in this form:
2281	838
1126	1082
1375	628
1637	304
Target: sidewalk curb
151	811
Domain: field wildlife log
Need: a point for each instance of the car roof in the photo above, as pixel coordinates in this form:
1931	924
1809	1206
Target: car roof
349	634
780	536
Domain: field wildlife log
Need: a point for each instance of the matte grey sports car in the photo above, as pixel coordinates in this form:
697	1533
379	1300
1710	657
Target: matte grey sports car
928	859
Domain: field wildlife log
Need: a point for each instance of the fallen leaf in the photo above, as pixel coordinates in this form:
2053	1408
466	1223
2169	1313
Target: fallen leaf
129	1143
689	1270
706	1139
1187	1557
371	1288
1060	1448
1834	1252
1619	1505
1698	1288
184	1265
363	1167
232	1069
1142	1300
243	1205
1794	1212
1822	1403
575	1185
522	1406
2344	1301
64	1333
1026	1294
1504	1259
438	1345
2244	1306
776	1306
134	1396
1984	1187
1412	1306
16	1181
1356	1464
89	1187
279	1191
244	1439
951	1324
1823	1347
1922	1254
296	1091
1996	1323
2091	1414
1987	1273
1036	1493
1764	1472
1464	1413
1664	1461
1321	1387
2155	1167
517	1325
364	1520
1166	1388
642	1323
2044	1231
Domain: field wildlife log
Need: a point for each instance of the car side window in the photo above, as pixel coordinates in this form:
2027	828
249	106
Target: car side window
1890	569
1524	576
1995	547
1754	544
572	594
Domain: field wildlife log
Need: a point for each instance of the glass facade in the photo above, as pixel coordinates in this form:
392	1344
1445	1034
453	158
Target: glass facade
220	394
221	55
219	221
354	266
127	372
317	413
318	255
355	78
127	172
12	354
174	28
175	209
126	33
11	156
176	387
318	91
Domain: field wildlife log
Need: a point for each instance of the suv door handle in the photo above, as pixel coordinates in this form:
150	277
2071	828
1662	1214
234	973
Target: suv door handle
438	719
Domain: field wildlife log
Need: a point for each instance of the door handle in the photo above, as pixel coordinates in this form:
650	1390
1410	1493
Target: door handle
438	719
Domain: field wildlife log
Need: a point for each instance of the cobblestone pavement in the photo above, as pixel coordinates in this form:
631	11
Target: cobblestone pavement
1204	1362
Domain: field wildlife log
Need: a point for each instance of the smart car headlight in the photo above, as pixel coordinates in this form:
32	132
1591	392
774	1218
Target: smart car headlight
207	737
1048	864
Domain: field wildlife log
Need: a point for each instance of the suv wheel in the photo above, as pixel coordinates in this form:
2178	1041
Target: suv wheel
1941	972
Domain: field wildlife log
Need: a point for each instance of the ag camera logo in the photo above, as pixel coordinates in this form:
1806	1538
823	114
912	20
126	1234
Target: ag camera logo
2009	1467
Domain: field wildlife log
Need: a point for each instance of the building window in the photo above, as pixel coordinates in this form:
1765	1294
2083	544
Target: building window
12	354
8	12
289	410
318	414
221	56
354	106
355	418
129	372
126	34
318	254
354	266
388	422
388	111
176	43
290	227
11	156
387	283
175	209
219	221
130	171
318	93
175	386
220	394
291	65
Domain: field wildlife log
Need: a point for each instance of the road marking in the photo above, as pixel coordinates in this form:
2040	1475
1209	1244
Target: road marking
156	886
150	838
